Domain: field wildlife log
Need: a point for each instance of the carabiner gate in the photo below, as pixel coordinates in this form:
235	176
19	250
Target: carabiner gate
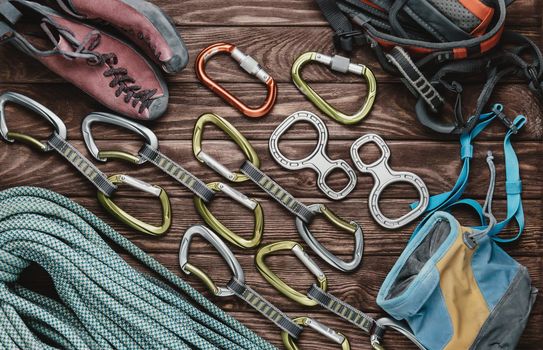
115	210
220	228
249	65
41	110
107	118
320	328
223	250
338	64
234	134
277	282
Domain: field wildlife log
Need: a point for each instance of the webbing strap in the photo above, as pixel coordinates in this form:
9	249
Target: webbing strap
103	303
339	23
176	171
342	309
277	192
82	164
9	12
513	186
414	79
263	306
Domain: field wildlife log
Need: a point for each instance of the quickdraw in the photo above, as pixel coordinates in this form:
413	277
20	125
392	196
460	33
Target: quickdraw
204	193
337	64
446	38
106	186
236	286
318	160
249	65
304	214
385	176
317	295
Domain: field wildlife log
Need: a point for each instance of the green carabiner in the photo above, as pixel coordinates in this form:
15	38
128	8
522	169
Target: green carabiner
128	219
329	333
277	282
234	134
220	228
338	64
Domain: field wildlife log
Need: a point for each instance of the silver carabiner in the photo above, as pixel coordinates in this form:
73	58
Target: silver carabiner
318	160
320	250
107	118
41	110
384	323
224	251
384	176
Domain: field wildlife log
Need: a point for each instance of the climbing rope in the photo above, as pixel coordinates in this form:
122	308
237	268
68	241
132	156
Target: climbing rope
103	302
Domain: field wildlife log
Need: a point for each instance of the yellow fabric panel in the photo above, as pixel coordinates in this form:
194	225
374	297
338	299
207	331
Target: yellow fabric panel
463	299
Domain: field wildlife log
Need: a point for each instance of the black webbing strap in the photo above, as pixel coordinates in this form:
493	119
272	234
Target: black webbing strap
9	12
85	167
342	309
277	192
339	22
266	308
413	78
176	171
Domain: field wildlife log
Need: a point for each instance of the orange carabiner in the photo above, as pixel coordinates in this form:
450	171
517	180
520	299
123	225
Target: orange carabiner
249	65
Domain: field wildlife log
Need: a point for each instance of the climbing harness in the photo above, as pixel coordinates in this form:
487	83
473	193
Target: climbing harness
338	64
318	160
234	134
385	176
513	183
103	302
304	214
456	288
423	42
106	186
249	65
236	285
337	337
203	193
317	295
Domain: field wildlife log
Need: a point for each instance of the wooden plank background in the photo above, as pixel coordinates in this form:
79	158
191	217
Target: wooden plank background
275	33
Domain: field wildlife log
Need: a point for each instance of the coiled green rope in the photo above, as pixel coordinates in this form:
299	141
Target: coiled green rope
104	303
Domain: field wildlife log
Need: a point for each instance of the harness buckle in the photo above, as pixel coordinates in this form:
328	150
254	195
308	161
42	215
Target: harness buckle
505	120
344	40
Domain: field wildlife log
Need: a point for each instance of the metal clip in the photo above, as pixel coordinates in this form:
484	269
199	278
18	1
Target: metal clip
249	65
220	228
498	110
277	282
223	250
234	134
336	337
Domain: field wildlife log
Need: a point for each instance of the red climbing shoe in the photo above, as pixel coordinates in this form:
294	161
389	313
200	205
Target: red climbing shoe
106	68
143	22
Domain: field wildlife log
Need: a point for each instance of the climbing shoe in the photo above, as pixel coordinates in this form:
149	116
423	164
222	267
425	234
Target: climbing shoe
143	22
106	68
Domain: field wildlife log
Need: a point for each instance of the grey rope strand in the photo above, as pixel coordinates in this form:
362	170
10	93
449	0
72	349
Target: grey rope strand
104	303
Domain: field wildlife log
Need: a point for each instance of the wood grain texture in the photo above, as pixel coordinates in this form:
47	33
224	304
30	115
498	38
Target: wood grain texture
275	33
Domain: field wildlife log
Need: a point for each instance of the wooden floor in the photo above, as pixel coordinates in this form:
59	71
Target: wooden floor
275	33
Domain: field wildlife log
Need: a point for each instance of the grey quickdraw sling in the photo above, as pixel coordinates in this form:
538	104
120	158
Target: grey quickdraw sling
433	45
103	303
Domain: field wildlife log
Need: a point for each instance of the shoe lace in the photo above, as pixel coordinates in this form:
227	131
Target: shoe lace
86	49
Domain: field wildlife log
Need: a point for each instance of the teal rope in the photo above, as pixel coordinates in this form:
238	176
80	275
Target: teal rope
104	303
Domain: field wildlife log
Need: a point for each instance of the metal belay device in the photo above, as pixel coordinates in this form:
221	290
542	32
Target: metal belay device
456	288
103	302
